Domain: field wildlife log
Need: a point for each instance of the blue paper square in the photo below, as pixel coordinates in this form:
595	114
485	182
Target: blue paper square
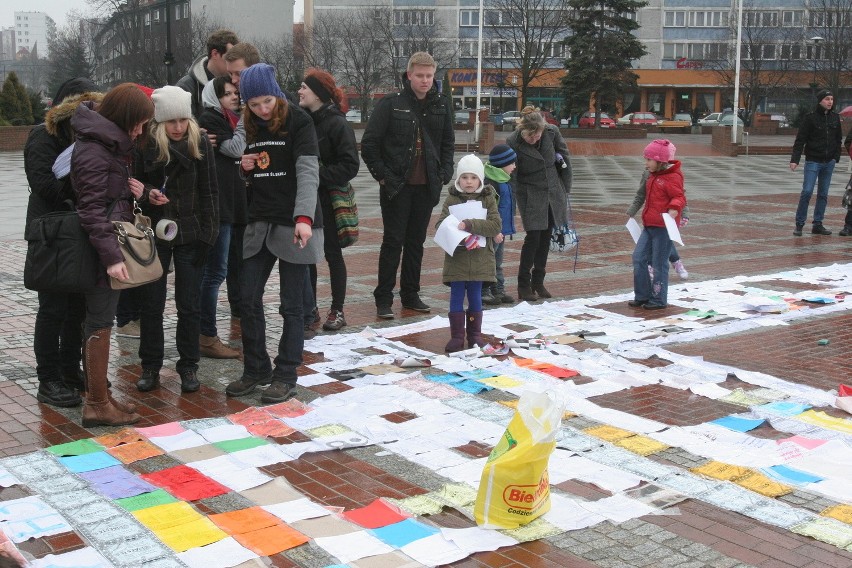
89	462
404	532
738	424
790	475
785	408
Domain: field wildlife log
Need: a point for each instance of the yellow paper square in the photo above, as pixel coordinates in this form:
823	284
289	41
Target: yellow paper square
759	483
501	382
642	445
166	516
839	512
609	433
327	430
191	535
720	470
820	418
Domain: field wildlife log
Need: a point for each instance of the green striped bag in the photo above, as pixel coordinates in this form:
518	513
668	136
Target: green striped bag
345	214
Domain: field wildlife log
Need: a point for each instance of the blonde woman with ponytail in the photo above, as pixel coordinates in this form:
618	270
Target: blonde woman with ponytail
178	169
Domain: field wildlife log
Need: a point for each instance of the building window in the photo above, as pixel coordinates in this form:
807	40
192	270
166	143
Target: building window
791	51
760	19
792	18
147	18
186	10
674	50
501	18
413	17
816	19
702	19
156	16
178	11
675	19
468	18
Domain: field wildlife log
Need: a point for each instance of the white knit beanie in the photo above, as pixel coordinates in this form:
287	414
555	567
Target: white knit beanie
470	164
171	102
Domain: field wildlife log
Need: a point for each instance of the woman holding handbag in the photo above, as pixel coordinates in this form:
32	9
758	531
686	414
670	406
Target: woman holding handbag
100	176
543	180
339	163
178	168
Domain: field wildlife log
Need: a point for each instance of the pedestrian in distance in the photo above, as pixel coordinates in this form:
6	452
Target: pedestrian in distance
472	261
819	139
178	168
285	226
502	161
664	194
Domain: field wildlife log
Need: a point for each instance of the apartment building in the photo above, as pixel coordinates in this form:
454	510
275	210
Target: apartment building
34	30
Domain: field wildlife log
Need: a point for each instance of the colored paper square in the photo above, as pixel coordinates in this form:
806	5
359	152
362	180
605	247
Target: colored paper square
738	424
270	429
190	535
271	540
609	433
166	516
244	520
239	444
186	483
89	462
720	470
146	500
377	514
77	448
135	451
289	409
123	436
404	532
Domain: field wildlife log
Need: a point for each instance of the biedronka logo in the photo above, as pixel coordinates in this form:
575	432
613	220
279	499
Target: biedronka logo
526	499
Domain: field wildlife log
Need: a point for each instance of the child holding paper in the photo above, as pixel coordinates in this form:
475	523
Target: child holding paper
663	194
472	261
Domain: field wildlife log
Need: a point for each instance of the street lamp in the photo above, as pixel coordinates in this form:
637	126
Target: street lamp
814	85
502	82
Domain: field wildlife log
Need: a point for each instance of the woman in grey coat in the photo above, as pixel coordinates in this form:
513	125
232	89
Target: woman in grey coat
543	181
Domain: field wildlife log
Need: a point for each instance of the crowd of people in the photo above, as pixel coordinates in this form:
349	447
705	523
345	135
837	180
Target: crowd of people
245	172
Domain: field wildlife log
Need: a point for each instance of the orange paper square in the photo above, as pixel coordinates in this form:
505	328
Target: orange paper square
135	451
271	540
244	520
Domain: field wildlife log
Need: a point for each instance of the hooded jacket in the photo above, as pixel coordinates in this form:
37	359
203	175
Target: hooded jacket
45	142
477	264
819	137
232	188
664	191
502	183
390	140
193	82
100	170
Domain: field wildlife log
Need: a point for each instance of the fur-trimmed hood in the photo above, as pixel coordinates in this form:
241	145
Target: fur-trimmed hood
56	122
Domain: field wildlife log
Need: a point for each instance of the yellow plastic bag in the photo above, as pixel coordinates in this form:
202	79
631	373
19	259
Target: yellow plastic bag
515	487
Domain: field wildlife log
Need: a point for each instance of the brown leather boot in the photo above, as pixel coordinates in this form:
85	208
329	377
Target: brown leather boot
128	407
99	409
474	330
213	348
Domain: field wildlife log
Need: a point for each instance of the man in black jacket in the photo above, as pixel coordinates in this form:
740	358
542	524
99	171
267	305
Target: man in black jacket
819	136
408	148
205	68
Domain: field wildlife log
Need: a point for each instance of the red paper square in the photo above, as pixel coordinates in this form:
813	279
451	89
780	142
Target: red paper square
377	514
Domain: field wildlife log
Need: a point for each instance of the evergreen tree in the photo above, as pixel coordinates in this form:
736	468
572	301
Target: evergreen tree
67	59
37	105
601	51
14	102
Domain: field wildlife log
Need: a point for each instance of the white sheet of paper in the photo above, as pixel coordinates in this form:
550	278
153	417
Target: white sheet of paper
222	554
671	227
353	546
634	229
448	235
434	550
88	557
468	210
477	539
297	510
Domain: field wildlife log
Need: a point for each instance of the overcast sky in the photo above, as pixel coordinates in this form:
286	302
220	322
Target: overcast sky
58	9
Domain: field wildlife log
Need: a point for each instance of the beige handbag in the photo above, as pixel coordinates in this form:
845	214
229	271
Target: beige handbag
138	245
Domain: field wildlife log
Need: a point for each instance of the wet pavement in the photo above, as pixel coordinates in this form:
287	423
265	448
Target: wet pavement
741	225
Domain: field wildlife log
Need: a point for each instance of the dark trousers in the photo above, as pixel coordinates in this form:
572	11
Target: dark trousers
293	284
334	257
58	335
101	304
847	222
405	219
235	260
128	307
187	302
534	253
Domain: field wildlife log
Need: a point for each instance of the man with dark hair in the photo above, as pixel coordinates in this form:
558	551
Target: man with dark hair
819	138
207	67
408	147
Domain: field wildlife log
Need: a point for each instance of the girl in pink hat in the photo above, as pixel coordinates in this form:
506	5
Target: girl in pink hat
663	194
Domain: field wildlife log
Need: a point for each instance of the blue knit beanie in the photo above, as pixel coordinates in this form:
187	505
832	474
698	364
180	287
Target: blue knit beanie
502	155
259	81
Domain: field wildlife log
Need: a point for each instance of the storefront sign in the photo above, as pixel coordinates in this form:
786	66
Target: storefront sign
465	78
684	63
490	92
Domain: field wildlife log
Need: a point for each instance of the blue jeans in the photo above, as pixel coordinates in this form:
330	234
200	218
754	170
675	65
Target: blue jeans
652	248
815	172
293	283
499	287
152	299
215	271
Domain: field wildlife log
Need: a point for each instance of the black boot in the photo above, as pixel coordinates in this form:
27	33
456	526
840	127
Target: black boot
57	393
845	231
818	229
474	330
456	342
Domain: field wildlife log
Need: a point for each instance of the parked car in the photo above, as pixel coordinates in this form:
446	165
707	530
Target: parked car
679	120
462	117
549	118
711	119
781	119
728	120
511	116
353	115
647	118
624	120
588	120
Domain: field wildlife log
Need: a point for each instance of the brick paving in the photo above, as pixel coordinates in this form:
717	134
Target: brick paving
733	231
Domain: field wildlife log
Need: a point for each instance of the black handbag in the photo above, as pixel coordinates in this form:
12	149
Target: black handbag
60	257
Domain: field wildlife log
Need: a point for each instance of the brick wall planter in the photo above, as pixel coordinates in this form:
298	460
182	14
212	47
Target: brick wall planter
13	138
605	133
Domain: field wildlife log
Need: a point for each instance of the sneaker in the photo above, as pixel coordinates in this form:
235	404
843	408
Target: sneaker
334	320
57	393
797	232
278	391
384	312
189	381
416	304
818	229
148	380
680	269
213	348
246	384
130	329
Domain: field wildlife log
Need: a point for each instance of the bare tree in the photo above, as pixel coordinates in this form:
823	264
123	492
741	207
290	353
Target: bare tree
279	53
530	33
831	20
70	55
320	43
